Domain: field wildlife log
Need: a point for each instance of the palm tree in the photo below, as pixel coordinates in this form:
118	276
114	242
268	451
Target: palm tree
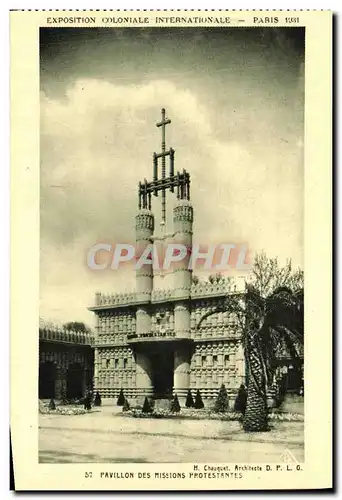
266	322
269	322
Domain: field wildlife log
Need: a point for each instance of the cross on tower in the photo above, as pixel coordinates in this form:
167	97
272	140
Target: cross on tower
181	180
164	121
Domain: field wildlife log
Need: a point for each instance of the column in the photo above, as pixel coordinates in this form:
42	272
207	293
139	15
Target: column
182	319
59	383
182	225
144	275
240	363
143	379
181	376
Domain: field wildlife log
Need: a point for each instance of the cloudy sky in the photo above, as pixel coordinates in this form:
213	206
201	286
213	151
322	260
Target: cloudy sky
236	100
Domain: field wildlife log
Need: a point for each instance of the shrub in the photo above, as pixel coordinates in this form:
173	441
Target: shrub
97	399
121	398
241	400
52	405
147	407
198	401
64	399
126	406
189	403
175	407
87	403
222	402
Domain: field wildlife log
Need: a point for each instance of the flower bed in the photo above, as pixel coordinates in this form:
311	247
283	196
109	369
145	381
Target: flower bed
62	410
208	415
286	417
186	415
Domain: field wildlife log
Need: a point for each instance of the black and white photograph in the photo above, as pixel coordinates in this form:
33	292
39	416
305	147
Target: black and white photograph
180	193
153	139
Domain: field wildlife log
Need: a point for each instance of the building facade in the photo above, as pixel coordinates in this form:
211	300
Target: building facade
155	348
149	342
66	362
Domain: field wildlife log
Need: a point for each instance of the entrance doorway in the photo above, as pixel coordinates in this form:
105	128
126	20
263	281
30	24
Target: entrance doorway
162	365
47	380
75	381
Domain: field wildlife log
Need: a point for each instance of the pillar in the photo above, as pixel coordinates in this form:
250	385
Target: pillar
59	382
182	226
182	319
240	364
144	275
181	376
143	378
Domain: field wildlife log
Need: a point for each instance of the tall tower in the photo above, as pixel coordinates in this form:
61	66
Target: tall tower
178	183
144	227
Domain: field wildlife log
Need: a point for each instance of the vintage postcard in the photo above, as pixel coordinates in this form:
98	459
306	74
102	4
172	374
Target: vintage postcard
171	208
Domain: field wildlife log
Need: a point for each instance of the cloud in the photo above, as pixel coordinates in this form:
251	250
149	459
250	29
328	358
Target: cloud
97	144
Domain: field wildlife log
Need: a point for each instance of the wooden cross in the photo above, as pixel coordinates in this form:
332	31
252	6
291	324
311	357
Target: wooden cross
164	121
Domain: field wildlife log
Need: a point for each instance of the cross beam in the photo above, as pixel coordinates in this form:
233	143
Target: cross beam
178	181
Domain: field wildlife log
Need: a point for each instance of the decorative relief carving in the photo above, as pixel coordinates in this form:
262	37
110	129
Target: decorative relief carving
183	211
62	335
144	220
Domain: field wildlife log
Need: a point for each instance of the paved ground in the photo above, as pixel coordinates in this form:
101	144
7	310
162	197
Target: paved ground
105	436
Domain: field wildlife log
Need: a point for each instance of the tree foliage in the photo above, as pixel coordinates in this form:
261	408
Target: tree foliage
198	401
87	402
222	401
175	406
52	405
189	402
241	400
126	406
77	326
270	312
121	398
97	399
147	407
267	275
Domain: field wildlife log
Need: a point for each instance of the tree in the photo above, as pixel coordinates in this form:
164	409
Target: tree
268	275
126	406
97	399
52	405
77	326
241	400
198	401
189	402
87	402
175	406
222	402
121	398
270	311
64	399
147	407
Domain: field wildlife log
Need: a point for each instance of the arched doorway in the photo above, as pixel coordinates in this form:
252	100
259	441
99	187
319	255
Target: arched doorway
75	379
47	380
